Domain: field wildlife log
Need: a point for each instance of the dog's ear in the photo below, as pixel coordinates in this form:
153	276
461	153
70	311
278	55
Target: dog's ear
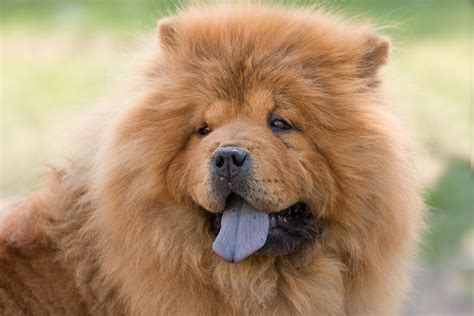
167	32
376	54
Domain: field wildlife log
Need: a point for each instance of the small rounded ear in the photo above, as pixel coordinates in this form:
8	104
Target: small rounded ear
377	51
166	29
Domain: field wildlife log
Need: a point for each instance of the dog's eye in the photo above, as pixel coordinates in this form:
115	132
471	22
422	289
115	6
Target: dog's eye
203	130
278	124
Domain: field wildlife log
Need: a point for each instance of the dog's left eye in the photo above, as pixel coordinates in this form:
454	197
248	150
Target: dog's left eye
277	123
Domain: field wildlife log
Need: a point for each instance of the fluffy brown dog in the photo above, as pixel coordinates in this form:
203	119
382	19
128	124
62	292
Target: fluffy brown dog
252	168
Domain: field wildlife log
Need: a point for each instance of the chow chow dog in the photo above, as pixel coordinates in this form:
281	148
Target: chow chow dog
250	167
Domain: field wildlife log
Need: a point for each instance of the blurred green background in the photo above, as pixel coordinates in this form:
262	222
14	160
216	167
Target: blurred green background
59	57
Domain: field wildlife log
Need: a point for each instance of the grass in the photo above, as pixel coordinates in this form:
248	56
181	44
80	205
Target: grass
451	199
59	57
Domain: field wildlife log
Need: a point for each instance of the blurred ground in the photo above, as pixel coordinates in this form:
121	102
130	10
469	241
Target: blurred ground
59	57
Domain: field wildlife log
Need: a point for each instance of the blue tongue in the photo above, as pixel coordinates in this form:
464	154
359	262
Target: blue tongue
244	230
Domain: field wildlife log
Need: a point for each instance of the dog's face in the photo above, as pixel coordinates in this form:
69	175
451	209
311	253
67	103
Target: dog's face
257	150
253	123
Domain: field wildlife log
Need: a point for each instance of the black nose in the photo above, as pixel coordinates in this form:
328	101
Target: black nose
230	161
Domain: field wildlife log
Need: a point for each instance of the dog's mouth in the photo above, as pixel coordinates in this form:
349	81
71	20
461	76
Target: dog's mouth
242	230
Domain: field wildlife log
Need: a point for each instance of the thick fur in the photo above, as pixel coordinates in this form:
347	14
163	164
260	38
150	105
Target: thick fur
122	231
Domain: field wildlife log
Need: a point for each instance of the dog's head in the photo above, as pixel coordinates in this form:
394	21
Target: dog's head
265	121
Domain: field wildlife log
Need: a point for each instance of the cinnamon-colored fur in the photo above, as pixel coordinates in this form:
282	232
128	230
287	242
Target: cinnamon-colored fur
122	231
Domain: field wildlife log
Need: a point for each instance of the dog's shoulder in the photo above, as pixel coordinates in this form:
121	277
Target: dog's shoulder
32	280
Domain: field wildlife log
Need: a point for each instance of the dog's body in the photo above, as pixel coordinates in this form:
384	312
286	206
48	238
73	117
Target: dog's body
128	227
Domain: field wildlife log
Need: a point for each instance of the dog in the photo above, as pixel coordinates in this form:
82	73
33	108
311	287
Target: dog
252	166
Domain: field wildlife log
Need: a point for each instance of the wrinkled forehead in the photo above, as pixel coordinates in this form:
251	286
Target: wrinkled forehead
255	103
218	91
224	88
242	78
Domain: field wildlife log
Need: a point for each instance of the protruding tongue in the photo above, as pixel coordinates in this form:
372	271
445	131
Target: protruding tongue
244	230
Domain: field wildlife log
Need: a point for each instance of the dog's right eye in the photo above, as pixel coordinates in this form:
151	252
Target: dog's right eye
204	130
278	124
